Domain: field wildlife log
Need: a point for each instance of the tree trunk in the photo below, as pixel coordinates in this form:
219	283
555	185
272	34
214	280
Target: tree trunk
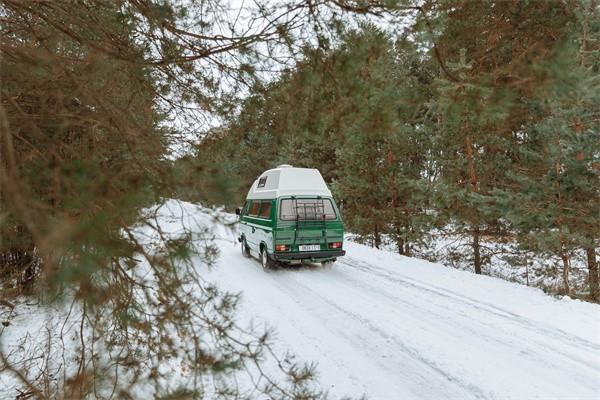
392	182
400	244
476	250
376	237
473	183
565	272
592	264
559	222
471	164
527	270
392	185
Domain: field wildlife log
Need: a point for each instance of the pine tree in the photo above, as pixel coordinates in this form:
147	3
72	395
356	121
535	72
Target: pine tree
486	51
554	200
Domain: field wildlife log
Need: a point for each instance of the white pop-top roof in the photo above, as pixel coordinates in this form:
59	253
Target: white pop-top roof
286	180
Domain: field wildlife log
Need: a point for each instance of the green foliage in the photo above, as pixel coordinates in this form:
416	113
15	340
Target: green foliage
93	95
458	123
350	111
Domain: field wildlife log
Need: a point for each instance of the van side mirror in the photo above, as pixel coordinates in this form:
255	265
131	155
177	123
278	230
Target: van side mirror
238	211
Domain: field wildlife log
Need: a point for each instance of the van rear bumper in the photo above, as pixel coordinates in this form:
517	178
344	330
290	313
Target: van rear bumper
308	255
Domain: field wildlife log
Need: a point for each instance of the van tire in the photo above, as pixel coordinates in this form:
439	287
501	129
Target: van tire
245	248
265	260
328	263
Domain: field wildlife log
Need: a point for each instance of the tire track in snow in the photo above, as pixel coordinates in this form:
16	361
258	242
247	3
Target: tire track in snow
366	324
474	303
298	317
530	348
468	389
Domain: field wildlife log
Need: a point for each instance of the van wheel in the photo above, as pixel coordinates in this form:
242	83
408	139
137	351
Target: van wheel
245	248
328	263
265	260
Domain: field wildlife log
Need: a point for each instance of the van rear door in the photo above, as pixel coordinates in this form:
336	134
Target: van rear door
309	224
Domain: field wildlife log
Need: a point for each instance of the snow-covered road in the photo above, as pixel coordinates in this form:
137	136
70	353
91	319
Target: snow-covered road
393	327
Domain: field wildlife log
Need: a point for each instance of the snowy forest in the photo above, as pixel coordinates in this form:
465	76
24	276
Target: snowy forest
490	140
462	133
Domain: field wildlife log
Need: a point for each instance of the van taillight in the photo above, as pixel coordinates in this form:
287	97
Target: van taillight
335	245
282	247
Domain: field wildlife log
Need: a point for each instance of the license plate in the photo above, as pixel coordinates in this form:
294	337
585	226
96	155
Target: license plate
310	247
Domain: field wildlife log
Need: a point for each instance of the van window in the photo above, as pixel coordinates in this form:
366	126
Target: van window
306	209
262	181
254	208
265	210
246	207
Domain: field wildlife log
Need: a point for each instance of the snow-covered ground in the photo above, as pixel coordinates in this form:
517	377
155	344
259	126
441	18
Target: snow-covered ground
393	327
400	328
501	259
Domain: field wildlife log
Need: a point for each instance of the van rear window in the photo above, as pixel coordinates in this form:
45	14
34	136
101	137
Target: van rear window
306	209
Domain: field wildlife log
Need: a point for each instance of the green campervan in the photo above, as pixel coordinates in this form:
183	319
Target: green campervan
290	216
